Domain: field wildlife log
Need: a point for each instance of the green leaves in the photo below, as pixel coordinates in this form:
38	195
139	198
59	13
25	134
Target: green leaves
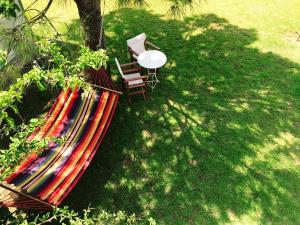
53	52
3	59
66	215
124	3
63	74
8	8
20	146
94	59
10	121
87	59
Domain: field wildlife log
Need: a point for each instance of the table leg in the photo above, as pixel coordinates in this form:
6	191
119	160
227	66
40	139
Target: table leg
152	78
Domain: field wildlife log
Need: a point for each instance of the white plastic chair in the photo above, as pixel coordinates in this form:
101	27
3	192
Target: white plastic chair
136	45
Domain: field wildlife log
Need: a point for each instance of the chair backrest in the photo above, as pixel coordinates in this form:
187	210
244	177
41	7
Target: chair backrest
119	68
137	43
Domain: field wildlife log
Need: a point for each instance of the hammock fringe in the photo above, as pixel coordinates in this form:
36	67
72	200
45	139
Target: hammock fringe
12	197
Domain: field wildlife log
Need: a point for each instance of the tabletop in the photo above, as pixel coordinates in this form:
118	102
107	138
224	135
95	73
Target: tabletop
152	59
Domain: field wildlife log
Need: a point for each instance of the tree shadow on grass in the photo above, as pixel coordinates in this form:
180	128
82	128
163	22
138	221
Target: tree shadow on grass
215	142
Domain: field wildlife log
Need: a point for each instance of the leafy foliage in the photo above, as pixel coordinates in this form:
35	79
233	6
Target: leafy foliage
87	58
60	73
20	146
63	74
8	8
3	58
67	216
93	59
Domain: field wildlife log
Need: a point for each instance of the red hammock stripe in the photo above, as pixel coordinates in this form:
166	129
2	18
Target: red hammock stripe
51	175
58	103
102	78
42	164
58	152
43	167
91	156
77	153
58	106
84	160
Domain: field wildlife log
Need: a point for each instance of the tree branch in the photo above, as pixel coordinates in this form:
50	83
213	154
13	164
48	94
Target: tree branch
42	13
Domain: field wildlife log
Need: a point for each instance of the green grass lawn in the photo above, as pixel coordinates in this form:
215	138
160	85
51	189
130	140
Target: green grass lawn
217	142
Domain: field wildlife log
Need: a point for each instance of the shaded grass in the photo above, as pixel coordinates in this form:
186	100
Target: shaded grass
217	141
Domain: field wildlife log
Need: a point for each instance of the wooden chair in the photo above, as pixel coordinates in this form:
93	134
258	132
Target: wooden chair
133	82
138	44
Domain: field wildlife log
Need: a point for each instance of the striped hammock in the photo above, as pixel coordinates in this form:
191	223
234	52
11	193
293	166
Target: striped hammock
44	180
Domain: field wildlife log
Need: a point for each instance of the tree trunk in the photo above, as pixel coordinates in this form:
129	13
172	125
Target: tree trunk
90	19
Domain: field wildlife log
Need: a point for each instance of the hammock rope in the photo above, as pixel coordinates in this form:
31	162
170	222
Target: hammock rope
101	78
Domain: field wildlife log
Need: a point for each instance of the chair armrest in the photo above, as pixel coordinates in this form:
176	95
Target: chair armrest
136	78
136	67
129	64
134	70
153	45
133	52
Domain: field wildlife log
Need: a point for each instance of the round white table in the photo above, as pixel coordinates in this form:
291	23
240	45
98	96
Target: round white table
152	60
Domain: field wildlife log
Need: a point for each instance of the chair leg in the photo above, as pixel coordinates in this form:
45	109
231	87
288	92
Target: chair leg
144	93
128	96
